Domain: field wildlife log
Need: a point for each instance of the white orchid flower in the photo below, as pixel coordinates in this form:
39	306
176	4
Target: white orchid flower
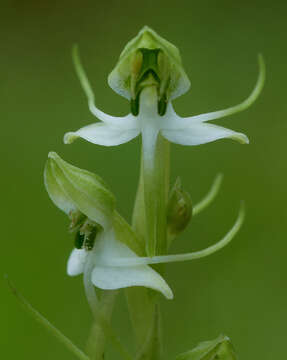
112	260
194	130
76	190
109	276
150	75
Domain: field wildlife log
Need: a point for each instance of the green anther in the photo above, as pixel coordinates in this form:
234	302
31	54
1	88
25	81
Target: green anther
79	240
162	104
135	105
90	238
88	232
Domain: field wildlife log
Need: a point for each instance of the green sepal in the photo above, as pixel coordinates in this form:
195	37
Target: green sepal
218	349
74	189
163	60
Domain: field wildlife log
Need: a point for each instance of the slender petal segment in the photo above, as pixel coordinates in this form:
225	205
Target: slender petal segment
242	106
209	197
182	257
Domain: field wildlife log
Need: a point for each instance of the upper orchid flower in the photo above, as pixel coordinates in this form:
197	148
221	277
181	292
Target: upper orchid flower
150	75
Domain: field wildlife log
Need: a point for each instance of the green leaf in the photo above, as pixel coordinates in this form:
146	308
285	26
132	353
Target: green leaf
218	349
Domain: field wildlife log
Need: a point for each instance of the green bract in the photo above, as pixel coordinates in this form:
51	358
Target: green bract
148	53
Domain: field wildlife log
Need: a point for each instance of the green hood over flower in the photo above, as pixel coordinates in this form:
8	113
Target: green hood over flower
149	54
73	189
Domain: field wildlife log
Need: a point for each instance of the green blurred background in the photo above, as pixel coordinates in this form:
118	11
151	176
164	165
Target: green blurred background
240	291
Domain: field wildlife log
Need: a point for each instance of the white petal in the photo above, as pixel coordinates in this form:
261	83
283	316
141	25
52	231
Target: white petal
76	262
89	91
201	133
113	277
102	134
209	197
110	278
240	107
131	262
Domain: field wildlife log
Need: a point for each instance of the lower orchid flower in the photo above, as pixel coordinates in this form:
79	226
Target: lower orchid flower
107	249
105	235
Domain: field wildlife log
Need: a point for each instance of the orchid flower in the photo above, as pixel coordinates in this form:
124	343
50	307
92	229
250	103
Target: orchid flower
112	252
105	255
86	199
194	130
150	75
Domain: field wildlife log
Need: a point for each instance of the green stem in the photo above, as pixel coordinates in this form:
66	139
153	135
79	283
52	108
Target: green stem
97	339
149	223
50	327
101	310
155	200
151	347
155	168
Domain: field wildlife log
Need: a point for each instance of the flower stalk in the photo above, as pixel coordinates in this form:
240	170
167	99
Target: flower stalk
155	153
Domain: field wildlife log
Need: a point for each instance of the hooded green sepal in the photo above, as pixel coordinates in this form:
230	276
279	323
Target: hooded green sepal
179	210
218	349
149	54
79	193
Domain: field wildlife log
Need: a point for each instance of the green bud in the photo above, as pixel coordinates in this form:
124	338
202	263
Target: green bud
218	349
149	59
79	193
179	209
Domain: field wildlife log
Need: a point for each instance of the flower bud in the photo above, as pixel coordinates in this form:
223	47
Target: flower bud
149	54
220	348
79	193
179	209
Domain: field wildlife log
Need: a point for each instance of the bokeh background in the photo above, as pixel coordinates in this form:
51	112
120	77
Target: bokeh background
240	291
